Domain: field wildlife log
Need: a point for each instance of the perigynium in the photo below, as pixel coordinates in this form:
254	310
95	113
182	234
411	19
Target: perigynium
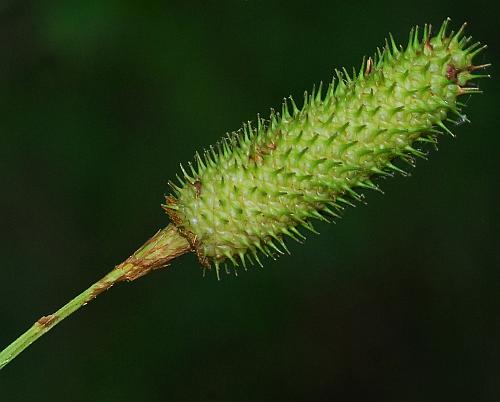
261	183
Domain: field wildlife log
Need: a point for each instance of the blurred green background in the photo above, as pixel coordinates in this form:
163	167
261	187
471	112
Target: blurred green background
100	101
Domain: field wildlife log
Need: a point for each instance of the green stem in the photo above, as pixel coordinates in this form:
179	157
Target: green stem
46	323
156	253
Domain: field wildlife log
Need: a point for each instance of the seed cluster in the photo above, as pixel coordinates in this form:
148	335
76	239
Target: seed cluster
263	182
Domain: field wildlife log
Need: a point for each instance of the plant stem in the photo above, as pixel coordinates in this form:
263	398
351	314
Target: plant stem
156	253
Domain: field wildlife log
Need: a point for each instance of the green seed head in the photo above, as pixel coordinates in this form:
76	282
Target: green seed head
264	181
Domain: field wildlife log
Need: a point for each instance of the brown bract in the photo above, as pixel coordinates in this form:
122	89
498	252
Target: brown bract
189	236
166	245
452	72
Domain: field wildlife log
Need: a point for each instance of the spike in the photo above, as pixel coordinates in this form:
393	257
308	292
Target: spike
368	184
180	180
318	97
442	31
443	126
475	52
199	160
416	39
260	124
330	212
388	56
185	173
396	169
394	47
317	215
460	32
294	106
270	243
381	172
380	56
304	164
284	111
217	269
192	169
409	46
256	256
345	201
228	255
346	75
429	36
472	47
309	226
416	152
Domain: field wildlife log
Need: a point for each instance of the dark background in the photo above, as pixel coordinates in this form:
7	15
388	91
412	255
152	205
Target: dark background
100	101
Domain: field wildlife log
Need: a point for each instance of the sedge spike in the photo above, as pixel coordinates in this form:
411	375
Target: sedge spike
310	158
241	198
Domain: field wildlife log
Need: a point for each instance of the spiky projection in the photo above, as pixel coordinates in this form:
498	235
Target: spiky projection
261	183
